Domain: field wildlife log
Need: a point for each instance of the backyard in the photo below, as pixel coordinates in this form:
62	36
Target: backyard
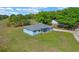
14	39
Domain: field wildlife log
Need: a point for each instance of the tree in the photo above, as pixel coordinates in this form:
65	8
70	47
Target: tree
18	20
3	17
43	17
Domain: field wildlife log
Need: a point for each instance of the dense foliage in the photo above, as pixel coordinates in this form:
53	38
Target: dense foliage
18	20
67	16
3	17
44	17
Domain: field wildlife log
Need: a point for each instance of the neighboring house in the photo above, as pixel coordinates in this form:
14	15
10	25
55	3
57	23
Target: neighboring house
54	23
36	29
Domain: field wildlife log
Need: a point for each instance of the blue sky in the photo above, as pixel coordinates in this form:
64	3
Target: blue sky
26	10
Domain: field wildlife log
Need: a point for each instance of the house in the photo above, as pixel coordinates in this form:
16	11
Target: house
54	23
36	29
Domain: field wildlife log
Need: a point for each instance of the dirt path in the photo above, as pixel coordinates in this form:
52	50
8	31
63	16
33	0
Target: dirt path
75	33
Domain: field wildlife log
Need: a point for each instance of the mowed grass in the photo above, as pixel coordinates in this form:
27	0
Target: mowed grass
14	39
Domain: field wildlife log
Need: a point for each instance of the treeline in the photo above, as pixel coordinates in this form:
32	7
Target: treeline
67	16
3	17
18	20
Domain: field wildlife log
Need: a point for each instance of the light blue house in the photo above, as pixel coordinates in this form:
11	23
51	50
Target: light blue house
36	29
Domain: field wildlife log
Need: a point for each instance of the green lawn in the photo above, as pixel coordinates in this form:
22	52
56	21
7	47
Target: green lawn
14	39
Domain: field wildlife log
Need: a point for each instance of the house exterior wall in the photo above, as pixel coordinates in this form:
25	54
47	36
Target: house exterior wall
36	32
28	32
31	32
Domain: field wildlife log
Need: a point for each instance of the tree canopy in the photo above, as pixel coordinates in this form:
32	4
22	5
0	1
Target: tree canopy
68	16
3	17
18	20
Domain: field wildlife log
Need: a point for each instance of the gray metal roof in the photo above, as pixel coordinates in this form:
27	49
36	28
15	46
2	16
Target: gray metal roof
37	27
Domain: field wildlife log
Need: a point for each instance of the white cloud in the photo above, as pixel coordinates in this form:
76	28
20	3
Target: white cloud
11	9
6	9
39	7
18	9
5	12
25	9
14	13
33	10
60	8
64	7
2	8
28	10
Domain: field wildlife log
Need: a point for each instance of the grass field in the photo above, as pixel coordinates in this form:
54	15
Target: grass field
14	39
